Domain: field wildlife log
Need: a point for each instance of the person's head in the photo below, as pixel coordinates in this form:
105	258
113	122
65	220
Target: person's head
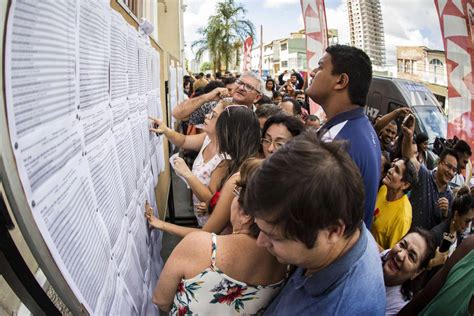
270	84
312	121
294	78
239	219
388	134
290	88
199	84
300	96
344	72
278	130
464	153
291	106
409	257
264	111
229	83
188	86
248	89
263	100
210	120
238	135
401	176
462	211
447	166
302	224
421	140
213	85
208	77
201	75
277	97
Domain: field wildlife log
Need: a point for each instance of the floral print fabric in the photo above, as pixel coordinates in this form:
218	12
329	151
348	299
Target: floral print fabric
212	292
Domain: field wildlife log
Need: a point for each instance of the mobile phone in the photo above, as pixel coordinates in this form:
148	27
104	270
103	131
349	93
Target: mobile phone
446	242
409	120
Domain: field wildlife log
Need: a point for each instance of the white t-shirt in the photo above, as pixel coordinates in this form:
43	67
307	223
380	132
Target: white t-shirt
395	300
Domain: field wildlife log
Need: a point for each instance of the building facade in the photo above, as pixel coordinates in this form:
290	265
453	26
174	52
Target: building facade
281	54
419	63
366	29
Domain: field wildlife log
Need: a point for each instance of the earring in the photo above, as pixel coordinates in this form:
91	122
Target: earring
454	222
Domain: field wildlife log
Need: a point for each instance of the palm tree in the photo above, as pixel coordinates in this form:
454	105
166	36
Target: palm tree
223	35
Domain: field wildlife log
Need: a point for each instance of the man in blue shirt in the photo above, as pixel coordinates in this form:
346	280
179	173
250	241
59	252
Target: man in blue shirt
340	85
318	228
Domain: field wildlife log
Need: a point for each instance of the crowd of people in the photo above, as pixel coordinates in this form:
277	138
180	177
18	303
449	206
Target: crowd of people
297	216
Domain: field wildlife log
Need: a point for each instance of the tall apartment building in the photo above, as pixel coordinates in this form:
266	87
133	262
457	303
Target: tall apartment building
366	29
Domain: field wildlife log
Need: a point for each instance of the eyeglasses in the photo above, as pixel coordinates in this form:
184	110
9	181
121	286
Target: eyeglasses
227	108
236	190
266	143
450	166
247	87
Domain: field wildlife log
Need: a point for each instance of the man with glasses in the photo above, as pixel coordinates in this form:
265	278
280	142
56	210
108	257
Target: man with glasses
464	153
248	90
431	197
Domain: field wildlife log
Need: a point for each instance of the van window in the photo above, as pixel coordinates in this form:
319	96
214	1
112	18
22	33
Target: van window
393	106
432	121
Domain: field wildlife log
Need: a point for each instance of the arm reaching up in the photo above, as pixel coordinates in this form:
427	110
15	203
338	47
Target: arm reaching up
183	110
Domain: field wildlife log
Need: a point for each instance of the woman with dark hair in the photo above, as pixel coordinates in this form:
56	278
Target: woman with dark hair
278	130
402	264
237	133
188	87
423	156
269	88
452	228
221	275
209	167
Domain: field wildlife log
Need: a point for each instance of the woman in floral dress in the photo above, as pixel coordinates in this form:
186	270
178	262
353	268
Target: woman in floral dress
221	275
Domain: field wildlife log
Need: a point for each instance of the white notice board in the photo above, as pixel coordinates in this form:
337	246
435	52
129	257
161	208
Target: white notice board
79	86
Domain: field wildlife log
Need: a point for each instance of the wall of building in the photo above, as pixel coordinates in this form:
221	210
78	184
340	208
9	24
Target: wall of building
170	28
422	64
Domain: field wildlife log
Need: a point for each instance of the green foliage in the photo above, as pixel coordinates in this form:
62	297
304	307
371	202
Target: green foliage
205	66
224	34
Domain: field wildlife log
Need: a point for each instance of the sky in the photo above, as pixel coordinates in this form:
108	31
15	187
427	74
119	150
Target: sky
406	22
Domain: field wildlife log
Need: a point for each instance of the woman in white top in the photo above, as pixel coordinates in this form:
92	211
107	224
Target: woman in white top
238	136
221	275
402	264
208	169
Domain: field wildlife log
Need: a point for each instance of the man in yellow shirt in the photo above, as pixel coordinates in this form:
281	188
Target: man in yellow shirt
392	215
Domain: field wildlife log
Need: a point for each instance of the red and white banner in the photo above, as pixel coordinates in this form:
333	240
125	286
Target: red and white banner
248	54
456	19
314	15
